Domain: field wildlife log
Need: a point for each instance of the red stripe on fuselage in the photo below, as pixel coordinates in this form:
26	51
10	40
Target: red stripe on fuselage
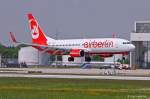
52	52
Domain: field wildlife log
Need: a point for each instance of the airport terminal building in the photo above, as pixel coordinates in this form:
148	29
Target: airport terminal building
140	37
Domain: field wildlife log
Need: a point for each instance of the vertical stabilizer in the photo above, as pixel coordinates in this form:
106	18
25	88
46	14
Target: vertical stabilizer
38	35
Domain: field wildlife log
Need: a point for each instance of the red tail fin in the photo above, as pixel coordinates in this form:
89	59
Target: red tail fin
13	38
38	35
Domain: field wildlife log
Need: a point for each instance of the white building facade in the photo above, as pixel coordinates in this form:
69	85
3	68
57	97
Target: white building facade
32	56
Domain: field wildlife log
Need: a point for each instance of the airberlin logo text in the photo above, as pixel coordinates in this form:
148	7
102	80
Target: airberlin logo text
98	44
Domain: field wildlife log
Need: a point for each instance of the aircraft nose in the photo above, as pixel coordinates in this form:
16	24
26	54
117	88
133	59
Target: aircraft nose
132	47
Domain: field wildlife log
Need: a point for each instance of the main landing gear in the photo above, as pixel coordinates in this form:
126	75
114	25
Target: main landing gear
70	59
87	59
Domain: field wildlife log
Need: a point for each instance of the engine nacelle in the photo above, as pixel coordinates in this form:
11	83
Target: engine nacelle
76	53
106	55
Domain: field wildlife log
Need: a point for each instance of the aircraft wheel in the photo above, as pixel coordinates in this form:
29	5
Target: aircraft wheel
88	59
71	59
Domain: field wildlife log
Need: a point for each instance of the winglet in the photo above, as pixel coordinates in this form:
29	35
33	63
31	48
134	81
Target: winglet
13	38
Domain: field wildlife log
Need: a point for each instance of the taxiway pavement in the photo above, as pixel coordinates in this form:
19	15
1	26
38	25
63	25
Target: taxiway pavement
76	76
76	73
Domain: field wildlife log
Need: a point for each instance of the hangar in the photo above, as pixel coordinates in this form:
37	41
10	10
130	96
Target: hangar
32	56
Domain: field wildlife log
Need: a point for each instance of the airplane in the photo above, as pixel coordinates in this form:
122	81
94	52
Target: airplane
104	47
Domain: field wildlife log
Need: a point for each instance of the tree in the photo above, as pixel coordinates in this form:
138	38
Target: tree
97	58
9	52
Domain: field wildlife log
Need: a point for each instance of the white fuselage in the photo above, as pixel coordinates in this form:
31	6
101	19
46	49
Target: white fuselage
97	45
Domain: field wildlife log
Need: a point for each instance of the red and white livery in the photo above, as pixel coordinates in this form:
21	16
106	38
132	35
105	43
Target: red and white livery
104	47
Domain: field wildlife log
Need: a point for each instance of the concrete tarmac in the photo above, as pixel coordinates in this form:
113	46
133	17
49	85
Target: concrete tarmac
76	73
76	76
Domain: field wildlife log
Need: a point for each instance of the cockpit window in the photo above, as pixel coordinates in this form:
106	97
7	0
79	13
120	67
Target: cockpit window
126	42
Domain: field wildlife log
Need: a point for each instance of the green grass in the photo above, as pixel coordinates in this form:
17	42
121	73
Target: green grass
36	88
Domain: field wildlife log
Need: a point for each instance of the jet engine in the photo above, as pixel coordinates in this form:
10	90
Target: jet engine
77	53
